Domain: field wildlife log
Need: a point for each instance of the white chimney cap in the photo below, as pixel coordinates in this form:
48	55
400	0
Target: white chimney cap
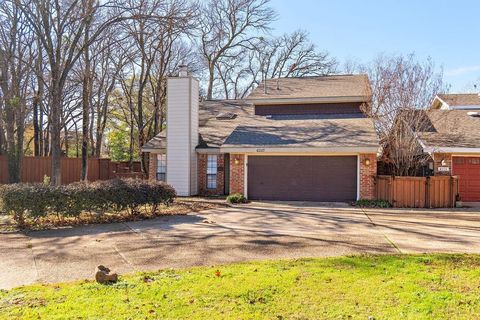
183	70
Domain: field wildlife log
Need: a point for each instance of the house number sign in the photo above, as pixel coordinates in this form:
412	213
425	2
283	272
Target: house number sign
443	169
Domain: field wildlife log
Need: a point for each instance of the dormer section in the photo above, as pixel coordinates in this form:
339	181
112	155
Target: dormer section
339	94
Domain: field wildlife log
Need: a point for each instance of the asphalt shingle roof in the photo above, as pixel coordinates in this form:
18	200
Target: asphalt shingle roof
453	129
249	130
461	99
327	131
213	131
157	142
314	87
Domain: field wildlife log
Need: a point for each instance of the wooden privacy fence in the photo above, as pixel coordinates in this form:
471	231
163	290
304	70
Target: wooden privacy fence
418	192
35	168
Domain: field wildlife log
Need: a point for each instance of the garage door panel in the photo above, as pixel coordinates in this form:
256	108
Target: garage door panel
302	178
468	171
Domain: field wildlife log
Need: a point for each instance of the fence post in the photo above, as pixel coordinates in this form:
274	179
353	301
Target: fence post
452	193
392	190
428	203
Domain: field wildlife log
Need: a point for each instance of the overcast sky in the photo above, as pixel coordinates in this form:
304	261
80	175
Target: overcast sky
447	31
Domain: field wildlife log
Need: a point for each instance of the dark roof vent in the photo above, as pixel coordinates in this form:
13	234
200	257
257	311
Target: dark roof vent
226	116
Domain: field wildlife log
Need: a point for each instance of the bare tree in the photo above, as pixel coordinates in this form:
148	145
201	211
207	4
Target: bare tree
153	42
86	89
60	26
16	56
400	87
228	27
291	55
109	59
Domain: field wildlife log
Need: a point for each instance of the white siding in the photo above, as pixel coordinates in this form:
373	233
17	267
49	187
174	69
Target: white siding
182	126
194	91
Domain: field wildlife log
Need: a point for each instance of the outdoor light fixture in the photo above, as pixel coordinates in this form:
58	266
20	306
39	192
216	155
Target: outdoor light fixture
237	161
367	162
444	162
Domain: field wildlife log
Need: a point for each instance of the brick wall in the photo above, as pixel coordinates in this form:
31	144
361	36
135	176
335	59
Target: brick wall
152	166
237	173
202	176
438	158
367	176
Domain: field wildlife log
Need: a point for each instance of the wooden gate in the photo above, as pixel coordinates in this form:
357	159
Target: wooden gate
418	192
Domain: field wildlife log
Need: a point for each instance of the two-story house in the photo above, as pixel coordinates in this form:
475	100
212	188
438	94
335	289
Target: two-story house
292	139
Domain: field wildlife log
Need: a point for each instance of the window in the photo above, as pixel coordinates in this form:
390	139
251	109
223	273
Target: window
474	161
212	171
161	167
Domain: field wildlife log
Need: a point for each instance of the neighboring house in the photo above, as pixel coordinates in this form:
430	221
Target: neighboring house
291	139
453	140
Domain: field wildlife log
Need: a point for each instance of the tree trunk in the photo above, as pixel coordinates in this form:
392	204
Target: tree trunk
2	130
41	133
46	141
55	131
20	124
210	82
130	149
65	139
86	103
13	170
85	120
37	126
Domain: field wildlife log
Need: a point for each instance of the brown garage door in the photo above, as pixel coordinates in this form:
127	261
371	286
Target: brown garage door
302	178
468	171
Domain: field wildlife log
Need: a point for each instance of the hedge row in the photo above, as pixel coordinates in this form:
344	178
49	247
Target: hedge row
31	201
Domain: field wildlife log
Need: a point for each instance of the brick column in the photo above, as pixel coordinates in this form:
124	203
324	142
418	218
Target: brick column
152	166
237	173
367	176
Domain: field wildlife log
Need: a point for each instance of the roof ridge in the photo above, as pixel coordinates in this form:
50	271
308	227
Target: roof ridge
322	76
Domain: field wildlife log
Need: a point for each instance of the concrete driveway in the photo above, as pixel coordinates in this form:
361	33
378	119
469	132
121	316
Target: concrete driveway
248	232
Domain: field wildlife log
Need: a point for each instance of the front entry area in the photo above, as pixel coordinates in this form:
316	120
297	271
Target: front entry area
468	171
302	178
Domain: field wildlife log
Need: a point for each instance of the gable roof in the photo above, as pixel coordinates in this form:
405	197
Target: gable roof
460	99
451	129
353	87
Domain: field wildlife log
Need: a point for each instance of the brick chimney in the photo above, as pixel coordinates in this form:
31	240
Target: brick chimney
182	132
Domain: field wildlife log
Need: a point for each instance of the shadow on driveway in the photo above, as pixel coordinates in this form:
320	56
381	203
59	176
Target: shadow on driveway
224	235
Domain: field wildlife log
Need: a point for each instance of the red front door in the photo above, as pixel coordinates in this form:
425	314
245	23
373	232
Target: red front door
468	171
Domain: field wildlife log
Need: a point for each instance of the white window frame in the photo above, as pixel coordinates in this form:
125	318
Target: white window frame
161	172
212	171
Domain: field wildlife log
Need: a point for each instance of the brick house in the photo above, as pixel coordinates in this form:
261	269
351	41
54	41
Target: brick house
454	140
291	139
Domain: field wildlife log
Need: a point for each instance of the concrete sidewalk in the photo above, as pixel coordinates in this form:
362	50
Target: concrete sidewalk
224	235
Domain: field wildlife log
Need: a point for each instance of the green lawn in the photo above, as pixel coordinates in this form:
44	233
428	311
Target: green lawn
382	287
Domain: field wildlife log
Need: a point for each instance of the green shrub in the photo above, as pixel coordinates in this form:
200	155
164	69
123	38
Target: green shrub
31	201
372	204
26	200
236	198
